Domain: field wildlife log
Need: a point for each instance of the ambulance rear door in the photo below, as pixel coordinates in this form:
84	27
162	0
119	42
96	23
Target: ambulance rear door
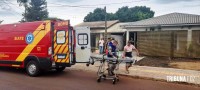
83	47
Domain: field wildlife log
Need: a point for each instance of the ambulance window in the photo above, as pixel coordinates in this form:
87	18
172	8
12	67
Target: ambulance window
60	37
83	39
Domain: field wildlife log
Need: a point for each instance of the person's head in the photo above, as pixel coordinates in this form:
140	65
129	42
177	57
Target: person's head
109	39
101	38
113	39
129	43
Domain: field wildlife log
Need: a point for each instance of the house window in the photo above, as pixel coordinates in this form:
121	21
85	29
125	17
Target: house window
83	39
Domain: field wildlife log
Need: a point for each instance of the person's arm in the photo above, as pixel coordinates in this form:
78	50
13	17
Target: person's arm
123	54
134	49
137	52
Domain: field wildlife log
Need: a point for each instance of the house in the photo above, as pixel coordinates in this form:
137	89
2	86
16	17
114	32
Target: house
98	29
174	34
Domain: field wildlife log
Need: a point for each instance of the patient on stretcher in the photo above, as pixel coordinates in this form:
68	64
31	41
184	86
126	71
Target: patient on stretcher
112	54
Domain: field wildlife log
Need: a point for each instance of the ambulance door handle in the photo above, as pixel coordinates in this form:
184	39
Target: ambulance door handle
82	47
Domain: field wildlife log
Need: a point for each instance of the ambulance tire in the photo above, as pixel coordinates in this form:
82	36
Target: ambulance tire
60	69
32	68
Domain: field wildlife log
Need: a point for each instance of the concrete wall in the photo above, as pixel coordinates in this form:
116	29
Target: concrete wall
170	43
119	39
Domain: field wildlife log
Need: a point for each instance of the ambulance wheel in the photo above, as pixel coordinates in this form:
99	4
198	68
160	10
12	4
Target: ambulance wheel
60	69
32	68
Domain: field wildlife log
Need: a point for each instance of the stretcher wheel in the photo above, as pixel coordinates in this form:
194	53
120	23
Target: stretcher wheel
99	79
114	81
87	64
104	76
117	79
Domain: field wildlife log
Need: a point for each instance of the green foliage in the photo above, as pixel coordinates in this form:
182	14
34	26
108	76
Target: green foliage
124	14
136	13
22	2
35	10
99	15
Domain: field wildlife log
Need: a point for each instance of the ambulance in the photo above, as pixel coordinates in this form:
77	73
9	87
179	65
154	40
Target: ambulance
43	45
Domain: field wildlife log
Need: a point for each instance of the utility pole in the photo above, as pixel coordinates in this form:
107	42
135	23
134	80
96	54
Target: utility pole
25	11
105	34
1	21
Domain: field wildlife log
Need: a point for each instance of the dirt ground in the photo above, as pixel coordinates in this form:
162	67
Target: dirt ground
180	63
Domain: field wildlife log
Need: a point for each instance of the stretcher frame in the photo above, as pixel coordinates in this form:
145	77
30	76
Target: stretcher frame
101	73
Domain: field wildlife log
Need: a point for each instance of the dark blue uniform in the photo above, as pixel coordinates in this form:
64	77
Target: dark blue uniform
111	50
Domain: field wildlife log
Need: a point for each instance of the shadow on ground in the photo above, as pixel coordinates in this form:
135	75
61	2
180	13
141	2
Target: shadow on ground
50	73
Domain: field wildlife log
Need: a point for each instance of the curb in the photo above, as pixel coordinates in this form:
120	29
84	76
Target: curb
92	69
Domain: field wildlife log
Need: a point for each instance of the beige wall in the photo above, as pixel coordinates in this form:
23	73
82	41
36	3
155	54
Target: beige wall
164	28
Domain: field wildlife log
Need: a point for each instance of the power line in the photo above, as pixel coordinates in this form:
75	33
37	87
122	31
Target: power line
115	3
94	5
12	4
16	13
62	5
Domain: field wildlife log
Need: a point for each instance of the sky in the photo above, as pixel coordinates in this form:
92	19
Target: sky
11	12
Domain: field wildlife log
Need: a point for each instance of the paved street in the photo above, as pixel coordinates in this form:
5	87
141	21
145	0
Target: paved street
15	79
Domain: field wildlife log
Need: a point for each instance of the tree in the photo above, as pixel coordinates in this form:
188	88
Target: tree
99	15
136	13
124	14
35	10
25	4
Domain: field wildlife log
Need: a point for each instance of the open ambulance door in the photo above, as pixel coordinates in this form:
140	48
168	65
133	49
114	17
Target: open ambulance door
83	47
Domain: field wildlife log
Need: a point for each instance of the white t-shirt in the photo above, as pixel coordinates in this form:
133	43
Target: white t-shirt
129	48
101	42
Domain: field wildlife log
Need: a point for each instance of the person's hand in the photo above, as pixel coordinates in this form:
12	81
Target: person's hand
138	54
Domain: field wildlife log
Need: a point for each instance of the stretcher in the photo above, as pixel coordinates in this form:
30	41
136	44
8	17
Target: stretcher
109	67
